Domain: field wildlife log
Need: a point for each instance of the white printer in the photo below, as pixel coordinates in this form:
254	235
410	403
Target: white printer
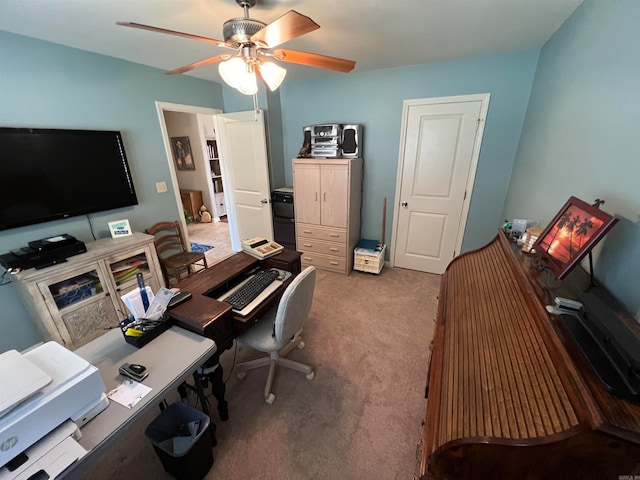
41	390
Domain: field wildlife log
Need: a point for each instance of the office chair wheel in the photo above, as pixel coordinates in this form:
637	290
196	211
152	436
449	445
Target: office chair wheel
310	376
301	345
241	375
270	399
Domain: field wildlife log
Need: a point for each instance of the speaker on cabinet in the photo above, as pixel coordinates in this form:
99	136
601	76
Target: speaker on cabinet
352	141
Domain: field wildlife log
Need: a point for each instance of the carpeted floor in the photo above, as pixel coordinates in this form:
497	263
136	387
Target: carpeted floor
367	339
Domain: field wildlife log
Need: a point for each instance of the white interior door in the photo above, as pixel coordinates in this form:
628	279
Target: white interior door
440	144
245	174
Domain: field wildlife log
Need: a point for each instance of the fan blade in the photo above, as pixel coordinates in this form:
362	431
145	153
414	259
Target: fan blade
315	60
289	26
194	65
220	43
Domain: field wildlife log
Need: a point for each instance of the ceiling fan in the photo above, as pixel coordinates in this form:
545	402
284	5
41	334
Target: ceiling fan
254	43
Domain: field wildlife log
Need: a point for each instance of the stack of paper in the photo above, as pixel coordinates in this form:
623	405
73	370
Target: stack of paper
133	301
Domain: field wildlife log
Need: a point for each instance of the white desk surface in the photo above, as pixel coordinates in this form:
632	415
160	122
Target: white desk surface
170	359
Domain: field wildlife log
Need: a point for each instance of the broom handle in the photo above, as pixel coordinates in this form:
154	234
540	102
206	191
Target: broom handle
384	218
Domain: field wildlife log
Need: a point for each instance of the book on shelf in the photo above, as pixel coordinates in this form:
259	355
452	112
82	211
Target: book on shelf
126	271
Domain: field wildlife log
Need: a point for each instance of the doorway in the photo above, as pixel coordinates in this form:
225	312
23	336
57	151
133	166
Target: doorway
196	123
439	149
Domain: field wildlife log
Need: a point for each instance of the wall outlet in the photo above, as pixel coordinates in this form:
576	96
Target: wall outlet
161	187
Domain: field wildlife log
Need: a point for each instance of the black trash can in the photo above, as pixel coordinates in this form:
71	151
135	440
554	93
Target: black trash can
180	437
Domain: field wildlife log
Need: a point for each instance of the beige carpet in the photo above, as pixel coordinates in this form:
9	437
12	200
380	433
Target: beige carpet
367	338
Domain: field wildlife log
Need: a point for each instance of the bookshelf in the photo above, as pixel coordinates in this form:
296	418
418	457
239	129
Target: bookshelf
216	178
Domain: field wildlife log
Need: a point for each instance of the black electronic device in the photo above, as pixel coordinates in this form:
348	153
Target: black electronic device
352	141
178	299
135	371
52	243
28	257
250	290
49	174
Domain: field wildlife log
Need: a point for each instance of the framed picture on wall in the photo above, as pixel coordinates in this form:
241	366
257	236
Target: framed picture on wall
571	235
182	156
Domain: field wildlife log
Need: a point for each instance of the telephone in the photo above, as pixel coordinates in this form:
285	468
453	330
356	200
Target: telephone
261	247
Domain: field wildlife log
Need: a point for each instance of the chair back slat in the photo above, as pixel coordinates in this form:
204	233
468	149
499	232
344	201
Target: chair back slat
172	251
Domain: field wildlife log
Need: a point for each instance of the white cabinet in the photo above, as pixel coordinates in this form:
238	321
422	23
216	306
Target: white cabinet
327	198
75	301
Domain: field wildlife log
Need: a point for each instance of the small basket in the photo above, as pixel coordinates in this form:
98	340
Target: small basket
367	261
149	335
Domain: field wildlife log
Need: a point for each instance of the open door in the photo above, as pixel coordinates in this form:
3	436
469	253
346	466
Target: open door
245	174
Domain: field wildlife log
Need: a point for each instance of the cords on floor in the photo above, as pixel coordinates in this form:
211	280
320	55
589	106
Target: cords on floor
5	281
233	365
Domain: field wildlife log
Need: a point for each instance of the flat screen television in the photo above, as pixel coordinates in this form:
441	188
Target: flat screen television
49	174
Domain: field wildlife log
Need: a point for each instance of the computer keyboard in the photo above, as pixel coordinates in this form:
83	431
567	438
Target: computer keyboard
250	290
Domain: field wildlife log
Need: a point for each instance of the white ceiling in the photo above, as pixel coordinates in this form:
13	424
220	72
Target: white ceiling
377	34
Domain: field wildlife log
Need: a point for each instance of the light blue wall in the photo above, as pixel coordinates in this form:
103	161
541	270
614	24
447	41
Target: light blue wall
582	134
47	85
374	99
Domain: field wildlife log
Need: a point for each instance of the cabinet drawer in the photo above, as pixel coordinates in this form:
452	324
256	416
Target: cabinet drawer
322	233
325	262
309	245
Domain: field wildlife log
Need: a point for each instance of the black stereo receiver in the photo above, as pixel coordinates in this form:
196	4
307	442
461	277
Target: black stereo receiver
28	257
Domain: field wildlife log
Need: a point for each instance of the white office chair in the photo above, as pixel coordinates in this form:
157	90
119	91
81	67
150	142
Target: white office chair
278	332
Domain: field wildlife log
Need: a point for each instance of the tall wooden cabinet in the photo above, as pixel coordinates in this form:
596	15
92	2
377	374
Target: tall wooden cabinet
327	198
75	301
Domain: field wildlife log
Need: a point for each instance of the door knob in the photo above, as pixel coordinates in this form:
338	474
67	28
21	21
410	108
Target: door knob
404	204
264	200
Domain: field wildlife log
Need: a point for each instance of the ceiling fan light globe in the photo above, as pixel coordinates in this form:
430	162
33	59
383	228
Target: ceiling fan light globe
247	83
272	74
232	70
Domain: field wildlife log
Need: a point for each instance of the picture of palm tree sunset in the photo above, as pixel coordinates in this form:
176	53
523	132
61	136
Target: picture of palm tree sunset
573	230
572	234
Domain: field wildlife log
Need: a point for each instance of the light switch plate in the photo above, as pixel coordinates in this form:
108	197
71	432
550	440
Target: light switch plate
161	187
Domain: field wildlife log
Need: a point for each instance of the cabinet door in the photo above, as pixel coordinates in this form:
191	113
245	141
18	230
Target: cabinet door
79	306
220	206
306	180
335	195
124	269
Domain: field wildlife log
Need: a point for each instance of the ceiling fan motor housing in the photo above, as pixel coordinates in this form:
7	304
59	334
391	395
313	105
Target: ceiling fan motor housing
238	31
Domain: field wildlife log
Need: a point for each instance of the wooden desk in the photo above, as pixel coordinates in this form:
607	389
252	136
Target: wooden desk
214	319
166	372
507	395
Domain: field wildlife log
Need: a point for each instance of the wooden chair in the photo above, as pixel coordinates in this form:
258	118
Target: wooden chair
172	252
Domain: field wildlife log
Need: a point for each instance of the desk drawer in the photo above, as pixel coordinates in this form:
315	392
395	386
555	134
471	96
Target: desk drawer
321	233
309	245
335	264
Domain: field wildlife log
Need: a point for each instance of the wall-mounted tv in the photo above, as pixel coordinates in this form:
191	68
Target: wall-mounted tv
49	174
